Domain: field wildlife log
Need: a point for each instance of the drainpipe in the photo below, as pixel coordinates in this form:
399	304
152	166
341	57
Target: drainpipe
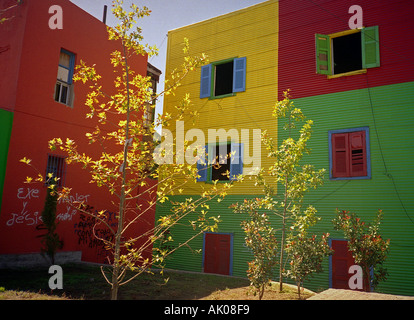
104	14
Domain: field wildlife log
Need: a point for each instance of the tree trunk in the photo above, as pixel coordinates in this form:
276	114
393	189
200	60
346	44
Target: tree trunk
261	292
367	279
282	242
118	235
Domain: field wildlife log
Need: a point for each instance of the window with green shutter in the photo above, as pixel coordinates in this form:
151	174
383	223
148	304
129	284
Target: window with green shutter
348	52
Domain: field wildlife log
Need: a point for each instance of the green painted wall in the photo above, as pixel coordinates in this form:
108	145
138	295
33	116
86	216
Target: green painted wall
6	122
388	112
186	258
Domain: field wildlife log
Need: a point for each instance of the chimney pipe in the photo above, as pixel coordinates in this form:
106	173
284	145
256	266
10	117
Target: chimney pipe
104	14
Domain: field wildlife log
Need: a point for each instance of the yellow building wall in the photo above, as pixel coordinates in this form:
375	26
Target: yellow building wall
252	33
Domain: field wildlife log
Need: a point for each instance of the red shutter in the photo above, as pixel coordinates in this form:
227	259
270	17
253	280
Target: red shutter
340	155
357	154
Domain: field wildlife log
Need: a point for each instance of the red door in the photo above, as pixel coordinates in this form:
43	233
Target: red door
342	260
217	253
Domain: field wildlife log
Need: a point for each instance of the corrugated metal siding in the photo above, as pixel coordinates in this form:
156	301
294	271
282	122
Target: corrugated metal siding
391	163
238	34
365	197
187	259
301	20
333	104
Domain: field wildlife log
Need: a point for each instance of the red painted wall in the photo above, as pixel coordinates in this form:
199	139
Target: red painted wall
11	37
38	118
300	20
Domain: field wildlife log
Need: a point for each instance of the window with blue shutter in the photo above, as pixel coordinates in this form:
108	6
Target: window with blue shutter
223	162
64	83
223	78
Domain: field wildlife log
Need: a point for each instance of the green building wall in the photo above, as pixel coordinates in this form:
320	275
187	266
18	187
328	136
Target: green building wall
6	122
388	112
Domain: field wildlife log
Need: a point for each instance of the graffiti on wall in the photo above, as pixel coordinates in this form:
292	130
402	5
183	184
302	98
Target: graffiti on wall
90	232
25	216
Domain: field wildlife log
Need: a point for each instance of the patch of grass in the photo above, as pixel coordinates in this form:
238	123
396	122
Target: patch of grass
82	281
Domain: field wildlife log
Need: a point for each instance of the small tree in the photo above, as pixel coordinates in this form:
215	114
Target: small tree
50	240
261	240
306	252
368	248
288	171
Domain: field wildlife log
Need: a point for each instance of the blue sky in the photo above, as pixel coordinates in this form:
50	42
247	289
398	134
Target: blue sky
167	15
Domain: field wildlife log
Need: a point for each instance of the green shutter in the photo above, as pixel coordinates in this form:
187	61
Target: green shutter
323	54
370	47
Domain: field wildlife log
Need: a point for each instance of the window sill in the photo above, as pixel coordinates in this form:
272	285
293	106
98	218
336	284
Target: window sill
218	181
350	178
222	96
346	74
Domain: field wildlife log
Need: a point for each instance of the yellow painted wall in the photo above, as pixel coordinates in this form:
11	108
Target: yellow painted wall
252	33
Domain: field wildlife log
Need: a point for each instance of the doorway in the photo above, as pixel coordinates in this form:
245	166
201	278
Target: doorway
218	252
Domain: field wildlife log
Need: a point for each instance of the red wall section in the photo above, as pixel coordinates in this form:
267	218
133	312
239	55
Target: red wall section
38	118
300	20
11	37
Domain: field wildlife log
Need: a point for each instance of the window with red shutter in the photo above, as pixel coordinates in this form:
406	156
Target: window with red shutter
349	153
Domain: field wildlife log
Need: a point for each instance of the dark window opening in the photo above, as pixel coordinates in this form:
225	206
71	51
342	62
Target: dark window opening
56	167
223	79
347	53
221	165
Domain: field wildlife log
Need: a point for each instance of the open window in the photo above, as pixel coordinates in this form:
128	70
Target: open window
223	78
222	162
349	154
346	53
64	83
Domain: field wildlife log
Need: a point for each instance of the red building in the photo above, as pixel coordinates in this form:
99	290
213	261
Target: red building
39	102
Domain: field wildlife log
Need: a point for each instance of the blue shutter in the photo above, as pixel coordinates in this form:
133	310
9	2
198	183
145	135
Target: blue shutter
205	82
236	161
239	74
202	166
